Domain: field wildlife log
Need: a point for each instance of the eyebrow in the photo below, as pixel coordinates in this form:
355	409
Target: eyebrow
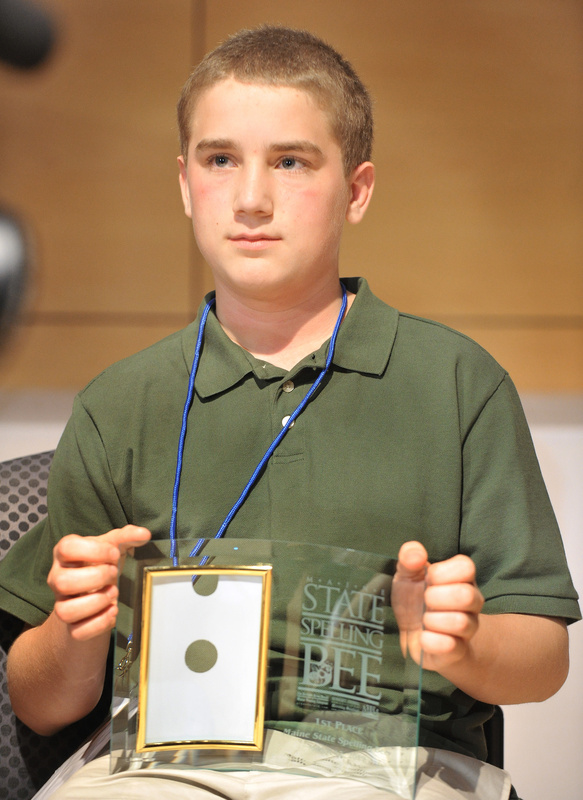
215	144
297	146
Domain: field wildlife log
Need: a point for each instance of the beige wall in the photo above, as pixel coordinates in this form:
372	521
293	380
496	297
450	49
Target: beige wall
477	215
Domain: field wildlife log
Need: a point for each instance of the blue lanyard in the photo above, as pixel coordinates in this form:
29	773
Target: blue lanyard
268	453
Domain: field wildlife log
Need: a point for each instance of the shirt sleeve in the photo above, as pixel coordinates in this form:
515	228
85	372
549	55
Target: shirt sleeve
508	525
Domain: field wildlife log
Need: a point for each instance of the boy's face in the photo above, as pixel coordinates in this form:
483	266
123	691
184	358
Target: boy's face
266	191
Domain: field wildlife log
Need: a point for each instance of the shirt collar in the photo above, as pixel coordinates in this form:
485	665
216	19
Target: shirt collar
367	335
364	345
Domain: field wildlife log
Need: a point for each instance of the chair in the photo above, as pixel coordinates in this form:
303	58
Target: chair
494	733
27	760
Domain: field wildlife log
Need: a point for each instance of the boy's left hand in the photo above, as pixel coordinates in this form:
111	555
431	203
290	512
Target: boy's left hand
496	658
452	605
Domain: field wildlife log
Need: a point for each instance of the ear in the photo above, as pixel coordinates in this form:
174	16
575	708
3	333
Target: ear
184	188
361	185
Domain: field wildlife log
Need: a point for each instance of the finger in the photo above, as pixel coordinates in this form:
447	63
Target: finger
127	537
67	581
412	562
94	626
439	645
459	569
77	609
464	597
74	550
452	624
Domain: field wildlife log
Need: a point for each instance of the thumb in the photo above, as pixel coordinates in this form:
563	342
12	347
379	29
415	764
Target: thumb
412	563
128	537
407	597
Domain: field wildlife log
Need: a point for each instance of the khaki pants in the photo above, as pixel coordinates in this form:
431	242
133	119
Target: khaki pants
441	776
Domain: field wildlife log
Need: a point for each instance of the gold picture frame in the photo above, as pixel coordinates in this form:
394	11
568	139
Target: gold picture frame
203	660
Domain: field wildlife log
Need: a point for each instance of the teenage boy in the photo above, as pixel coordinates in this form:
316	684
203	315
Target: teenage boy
414	432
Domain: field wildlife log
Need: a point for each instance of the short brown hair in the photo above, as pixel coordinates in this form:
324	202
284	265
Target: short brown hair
280	56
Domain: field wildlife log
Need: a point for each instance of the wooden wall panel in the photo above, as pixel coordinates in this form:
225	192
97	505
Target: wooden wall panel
91	157
88	147
541	358
75	351
476	219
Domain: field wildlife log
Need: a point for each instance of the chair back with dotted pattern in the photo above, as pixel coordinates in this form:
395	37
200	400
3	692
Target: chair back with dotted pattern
27	760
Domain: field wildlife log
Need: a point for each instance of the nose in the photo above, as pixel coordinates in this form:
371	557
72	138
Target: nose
253	194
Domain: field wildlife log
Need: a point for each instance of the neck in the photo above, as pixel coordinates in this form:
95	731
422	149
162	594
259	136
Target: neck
286	334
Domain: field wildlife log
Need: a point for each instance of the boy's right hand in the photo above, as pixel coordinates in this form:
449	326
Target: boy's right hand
84	575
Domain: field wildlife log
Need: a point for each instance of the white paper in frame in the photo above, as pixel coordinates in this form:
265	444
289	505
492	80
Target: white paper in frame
203	660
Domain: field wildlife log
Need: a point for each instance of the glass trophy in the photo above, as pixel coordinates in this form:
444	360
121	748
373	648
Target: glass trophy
262	654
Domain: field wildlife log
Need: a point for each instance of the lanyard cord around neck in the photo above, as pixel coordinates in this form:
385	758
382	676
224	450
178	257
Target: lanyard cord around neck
268	453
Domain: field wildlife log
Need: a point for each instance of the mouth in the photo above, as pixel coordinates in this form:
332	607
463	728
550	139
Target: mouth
253	241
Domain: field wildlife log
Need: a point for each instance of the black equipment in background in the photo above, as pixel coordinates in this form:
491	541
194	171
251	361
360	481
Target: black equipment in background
26	34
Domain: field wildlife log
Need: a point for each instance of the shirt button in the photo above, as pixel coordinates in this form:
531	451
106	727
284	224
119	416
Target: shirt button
285	420
288	386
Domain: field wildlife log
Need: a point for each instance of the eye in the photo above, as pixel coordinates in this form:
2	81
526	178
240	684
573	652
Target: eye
290	163
219	160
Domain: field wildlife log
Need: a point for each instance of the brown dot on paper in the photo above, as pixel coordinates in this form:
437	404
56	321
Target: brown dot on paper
205	585
201	656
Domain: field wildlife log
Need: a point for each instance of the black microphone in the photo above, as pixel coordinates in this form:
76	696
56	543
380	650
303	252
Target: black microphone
26	33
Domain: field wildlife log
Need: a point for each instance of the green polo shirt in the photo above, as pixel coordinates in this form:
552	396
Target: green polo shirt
416	433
